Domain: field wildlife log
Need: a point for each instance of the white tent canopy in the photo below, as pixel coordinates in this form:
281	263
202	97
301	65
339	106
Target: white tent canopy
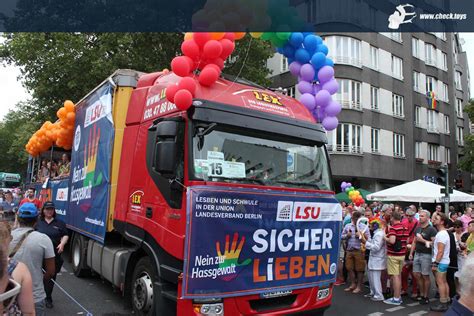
418	191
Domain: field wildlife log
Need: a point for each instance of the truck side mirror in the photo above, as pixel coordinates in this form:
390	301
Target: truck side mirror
166	148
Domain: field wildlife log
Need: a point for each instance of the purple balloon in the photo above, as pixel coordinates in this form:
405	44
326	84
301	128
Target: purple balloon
316	88
322	98
308	101
343	185
307	72
330	123
304	87
325	74
332	109
295	68
331	86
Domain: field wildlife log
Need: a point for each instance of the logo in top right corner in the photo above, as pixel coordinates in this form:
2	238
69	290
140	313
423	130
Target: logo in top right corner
401	16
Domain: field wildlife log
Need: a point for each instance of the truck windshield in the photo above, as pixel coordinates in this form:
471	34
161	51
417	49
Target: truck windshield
225	154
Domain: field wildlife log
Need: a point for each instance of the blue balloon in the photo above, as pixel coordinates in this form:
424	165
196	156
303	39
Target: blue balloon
310	43
318	60
329	62
288	51
307	34
296	39
302	55
323	49
319	39
290	60
279	50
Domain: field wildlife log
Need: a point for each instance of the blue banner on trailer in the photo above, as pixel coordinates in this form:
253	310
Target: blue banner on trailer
248	241
90	164
59	196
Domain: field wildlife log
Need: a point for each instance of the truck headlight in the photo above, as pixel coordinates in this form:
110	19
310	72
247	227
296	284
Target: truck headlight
209	309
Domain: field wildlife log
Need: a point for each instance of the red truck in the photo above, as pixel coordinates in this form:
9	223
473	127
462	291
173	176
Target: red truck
226	208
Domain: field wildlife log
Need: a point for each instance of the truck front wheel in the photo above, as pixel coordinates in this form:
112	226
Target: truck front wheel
78	254
142	287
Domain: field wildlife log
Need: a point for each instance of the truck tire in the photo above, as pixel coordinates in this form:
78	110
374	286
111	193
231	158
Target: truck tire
147	299
78	255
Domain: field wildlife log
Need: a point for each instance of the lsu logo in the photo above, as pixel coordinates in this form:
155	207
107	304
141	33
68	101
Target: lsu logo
306	211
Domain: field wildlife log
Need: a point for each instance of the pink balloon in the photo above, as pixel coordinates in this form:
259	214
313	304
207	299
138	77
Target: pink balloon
322	98
295	68
325	74
304	87
308	101
331	86
330	123
333	108
307	72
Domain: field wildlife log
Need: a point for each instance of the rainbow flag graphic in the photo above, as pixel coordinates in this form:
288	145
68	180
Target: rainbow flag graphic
431	99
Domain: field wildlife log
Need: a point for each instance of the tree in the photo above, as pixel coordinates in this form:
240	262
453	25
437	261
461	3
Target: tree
59	66
466	163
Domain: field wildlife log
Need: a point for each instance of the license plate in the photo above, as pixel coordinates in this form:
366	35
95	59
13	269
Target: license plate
275	294
323	293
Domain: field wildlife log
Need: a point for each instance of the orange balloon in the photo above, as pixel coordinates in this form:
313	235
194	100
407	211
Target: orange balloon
69	106
62	113
217	35
239	35
71	116
188	36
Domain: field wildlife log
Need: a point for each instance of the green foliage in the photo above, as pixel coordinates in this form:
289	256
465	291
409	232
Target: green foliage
466	163
59	66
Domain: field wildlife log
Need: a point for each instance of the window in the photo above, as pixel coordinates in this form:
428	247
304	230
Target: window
432	122
345	50
398	145
430	55
374	98
418	116
418	150
374	57
457	80
415	47
291	91
397	67
416	81
433	152
430	84
447	155
349	94
460	135
397	105
459	107
445	61
348	138
446	124
374	140
284	63
445	92
396	36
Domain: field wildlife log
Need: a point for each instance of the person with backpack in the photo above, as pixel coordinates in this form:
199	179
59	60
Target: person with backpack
396	239
35	250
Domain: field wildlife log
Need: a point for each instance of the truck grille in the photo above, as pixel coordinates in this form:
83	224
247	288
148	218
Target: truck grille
273	303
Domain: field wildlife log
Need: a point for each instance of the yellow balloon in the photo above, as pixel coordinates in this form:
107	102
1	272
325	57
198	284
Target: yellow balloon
188	35
256	34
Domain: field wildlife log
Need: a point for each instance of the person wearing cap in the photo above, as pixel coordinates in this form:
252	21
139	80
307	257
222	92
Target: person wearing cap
410	223
56	230
34	249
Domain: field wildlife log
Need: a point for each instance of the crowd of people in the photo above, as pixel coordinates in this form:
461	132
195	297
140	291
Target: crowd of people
33	250
52	169
401	248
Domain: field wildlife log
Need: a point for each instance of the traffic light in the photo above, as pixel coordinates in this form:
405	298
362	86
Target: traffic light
442	176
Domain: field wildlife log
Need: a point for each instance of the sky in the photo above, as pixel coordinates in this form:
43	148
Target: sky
12	92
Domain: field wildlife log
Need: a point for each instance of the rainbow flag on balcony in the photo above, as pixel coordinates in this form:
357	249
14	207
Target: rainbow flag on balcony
431	99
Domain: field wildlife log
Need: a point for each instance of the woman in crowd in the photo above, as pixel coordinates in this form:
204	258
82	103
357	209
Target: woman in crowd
56	230
377	258
24	304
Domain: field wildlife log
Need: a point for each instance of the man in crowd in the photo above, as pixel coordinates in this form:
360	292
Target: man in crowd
466	218
35	250
440	261
465	304
396	250
30	198
421	248
410	223
65	167
355	261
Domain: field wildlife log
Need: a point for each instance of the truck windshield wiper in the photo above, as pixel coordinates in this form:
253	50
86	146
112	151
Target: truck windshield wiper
299	183
259	181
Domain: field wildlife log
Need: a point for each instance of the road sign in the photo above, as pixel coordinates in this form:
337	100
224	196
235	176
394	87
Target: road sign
443	190
444	199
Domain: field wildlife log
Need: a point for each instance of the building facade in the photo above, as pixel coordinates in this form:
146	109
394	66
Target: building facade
390	131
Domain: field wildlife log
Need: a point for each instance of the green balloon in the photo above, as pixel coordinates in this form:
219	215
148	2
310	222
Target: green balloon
283	35
266	36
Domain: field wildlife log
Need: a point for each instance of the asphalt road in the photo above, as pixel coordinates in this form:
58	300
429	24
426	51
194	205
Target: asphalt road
98	297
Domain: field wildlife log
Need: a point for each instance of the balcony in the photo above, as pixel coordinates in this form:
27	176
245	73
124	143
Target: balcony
346	60
351	105
432	129
430	62
356	150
